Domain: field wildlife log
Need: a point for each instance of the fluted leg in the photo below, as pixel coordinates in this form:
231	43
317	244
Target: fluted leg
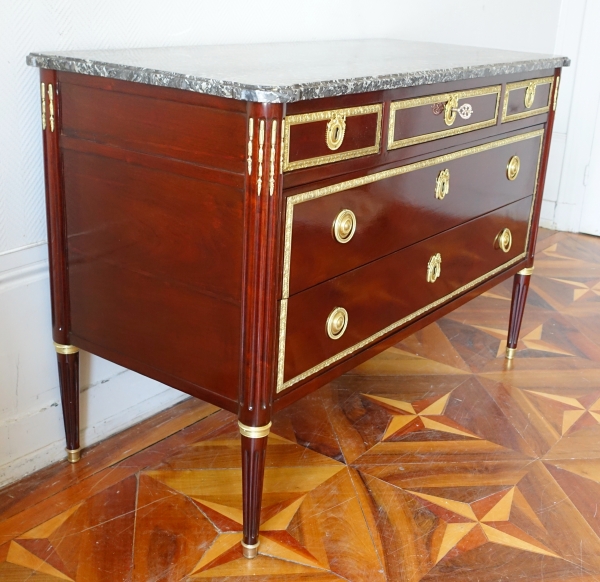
68	375
517	308
254	449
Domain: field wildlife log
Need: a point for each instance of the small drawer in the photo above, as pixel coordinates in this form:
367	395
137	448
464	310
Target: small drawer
414	121
340	227
323	137
330	321
527	98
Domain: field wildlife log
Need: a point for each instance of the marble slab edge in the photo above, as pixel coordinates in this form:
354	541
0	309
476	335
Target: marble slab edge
287	93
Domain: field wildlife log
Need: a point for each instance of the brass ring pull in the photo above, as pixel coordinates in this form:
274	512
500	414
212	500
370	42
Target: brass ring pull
530	95
336	129
434	268
451	109
442	184
513	167
344	226
504	240
337	322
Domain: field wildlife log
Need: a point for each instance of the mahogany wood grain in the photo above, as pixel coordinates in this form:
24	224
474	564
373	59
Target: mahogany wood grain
68	376
308	140
422	120
262	228
192	133
537	209
289	396
303	176
385	291
517	308
516	99
398	211
55	215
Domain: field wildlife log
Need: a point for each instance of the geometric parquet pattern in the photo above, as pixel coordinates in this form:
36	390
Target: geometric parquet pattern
436	460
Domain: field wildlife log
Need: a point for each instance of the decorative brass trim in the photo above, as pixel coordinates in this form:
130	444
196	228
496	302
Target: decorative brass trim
369	179
450	110
65	350
336	130
513	167
43	88
398	324
526	85
434	268
442	184
73	456
323	116
250	551
530	94
442	98
526	271
503	240
254	432
250	140
305	196
337	322
344	226
510	353
556	93
51	106
261	144
272	168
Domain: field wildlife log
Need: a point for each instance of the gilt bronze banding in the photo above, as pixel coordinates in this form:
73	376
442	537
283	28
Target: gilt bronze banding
73	455
254	432
510	353
65	350
526	271
250	550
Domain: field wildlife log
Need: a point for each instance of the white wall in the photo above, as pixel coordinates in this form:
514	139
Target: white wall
572	196
30	418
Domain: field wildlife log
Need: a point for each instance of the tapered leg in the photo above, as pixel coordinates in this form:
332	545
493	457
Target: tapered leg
517	308
68	375
254	449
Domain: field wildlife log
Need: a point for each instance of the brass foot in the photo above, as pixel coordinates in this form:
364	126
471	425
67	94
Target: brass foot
250	551
73	456
510	353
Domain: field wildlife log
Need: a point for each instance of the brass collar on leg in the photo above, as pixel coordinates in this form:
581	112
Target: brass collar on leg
65	350
254	432
250	551
73	455
526	271
510	353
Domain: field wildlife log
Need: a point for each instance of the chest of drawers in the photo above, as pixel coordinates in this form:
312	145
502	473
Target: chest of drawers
232	222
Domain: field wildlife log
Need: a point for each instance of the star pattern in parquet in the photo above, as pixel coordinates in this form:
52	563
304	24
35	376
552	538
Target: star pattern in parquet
436	460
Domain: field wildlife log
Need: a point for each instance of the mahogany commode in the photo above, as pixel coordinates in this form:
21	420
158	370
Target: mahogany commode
246	223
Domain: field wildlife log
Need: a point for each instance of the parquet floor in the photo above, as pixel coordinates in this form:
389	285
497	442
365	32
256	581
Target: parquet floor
433	461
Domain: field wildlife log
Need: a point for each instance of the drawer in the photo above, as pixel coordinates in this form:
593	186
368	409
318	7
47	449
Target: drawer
323	137
414	121
527	98
384	295
386	211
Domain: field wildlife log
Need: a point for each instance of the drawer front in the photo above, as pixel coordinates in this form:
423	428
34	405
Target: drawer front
386	211
384	295
527	98
323	137
414	121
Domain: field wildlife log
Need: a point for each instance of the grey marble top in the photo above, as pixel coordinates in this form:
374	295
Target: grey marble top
287	72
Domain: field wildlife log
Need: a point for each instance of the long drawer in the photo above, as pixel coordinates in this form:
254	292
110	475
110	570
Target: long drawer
332	320
335	229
